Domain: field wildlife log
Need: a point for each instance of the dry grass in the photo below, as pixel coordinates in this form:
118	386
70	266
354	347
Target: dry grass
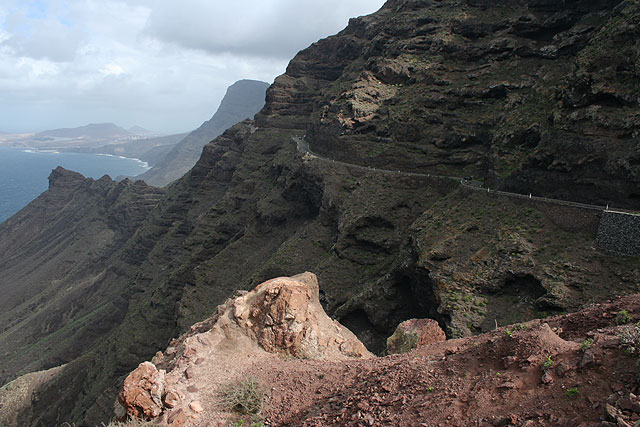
246	397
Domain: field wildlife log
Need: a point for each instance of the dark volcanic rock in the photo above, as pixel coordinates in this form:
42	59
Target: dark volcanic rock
243	100
535	96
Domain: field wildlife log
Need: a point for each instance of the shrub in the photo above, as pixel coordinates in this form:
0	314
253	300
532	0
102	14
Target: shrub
245	397
548	362
572	392
623	317
586	344
630	338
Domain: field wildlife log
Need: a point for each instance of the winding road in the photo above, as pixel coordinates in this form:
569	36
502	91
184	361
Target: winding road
303	147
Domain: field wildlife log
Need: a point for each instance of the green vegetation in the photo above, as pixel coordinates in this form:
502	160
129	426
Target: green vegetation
430	389
630	339
586	344
572	392
548	362
245	397
623	317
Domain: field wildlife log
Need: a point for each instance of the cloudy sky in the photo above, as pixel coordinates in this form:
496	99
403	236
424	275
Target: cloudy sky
160	64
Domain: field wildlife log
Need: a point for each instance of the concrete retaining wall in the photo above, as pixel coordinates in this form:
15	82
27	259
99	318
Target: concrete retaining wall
619	232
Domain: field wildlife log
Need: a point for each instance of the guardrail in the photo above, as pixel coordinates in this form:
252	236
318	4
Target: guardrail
303	147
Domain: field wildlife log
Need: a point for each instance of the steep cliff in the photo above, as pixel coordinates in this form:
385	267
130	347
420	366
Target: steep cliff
243	100
53	256
452	88
532	96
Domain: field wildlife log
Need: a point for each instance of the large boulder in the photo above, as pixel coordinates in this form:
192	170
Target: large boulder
284	315
414	333
142	392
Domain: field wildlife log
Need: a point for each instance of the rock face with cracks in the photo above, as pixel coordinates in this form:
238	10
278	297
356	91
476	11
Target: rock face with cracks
282	316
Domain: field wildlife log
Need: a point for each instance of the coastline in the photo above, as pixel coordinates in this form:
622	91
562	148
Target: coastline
24	172
35	150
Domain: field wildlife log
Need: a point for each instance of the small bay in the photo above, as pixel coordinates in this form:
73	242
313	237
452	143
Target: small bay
24	173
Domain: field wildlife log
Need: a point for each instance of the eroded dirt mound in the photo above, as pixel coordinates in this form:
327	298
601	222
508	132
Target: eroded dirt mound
279	318
563	371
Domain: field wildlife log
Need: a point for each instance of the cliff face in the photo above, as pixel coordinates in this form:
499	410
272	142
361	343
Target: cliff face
530	96
53	256
448	87
243	100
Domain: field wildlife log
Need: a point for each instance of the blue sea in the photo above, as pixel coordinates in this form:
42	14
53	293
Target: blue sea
24	173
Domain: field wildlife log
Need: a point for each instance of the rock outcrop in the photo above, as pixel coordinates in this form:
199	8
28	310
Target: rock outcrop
577	369
414	333
282	316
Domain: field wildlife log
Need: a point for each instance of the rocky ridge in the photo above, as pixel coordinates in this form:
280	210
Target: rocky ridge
242	100
282	317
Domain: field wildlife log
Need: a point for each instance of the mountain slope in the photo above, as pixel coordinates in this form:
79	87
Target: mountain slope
386	245
531	96
60	306
243	100
151	150
92	130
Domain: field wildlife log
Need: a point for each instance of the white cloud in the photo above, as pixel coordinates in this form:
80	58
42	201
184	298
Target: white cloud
164	65
276	28
112	70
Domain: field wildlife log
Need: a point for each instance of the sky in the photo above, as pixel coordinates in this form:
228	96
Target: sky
160	64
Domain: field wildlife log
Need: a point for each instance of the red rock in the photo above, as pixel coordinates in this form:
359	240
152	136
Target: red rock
177	418
141	394
171	399
285	316
189	373
414	333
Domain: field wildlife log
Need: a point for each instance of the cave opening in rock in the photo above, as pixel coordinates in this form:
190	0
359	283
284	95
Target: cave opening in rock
408	295
414	298
513	301
372	337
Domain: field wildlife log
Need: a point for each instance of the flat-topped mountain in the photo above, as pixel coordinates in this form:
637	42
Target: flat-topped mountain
92	130
526	95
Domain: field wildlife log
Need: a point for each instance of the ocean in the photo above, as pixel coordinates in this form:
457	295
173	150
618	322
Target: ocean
24	173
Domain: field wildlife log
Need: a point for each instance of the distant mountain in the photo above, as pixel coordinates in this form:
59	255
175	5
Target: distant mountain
92	130
243	100
138	130
151	150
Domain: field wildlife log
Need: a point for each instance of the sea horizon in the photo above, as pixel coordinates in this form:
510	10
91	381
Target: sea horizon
24	172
